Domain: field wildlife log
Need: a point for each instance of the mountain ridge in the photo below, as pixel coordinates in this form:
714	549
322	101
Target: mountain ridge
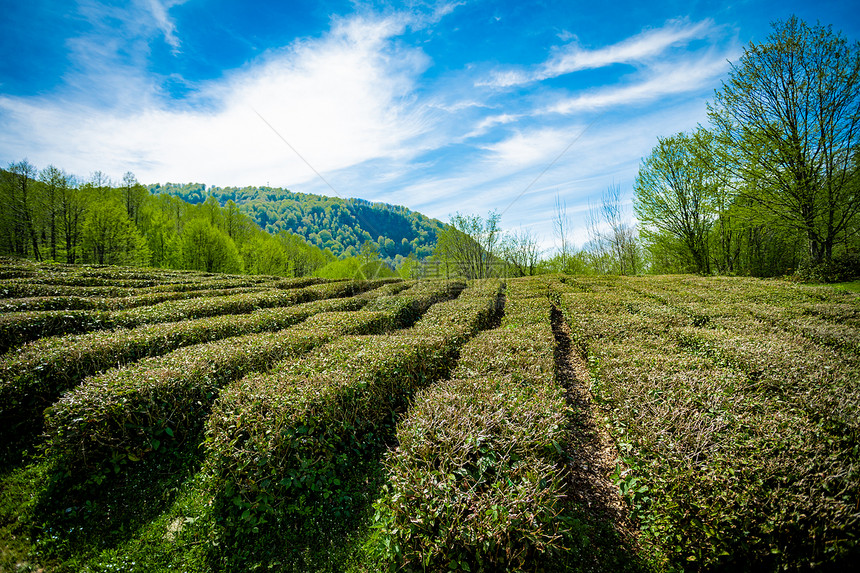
339	225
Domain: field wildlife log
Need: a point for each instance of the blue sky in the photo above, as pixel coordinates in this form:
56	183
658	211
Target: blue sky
442	107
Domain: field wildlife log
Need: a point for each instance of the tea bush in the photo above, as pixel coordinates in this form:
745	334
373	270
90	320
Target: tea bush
281	441
477	480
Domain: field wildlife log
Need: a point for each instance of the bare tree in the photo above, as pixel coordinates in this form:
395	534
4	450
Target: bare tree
468	245
561	225
613	237
521	252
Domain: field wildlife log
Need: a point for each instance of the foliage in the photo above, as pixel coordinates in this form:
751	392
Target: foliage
769	188
476	482
336	225
733	404
675	191
51	214
788	119
467	247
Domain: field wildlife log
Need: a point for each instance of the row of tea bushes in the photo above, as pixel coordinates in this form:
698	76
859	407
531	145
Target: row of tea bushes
21	327
119	415
720	470
280	443
98	303
17	328
408	306
158	402
50	283
822	314
34	377
477	481
24	288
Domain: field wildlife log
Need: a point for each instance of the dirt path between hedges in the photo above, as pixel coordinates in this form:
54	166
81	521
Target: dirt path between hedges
593	453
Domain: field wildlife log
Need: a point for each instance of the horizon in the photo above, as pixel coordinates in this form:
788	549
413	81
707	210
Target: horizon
467	107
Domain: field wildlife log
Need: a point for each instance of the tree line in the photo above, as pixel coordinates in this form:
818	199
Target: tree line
771	186
49	214
340	225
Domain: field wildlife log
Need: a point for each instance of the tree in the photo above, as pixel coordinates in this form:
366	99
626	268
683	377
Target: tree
72	207
56	183
468	245
110	238
613	237
133	195
561	225
21	204
674	195
207	248
789	119
521	252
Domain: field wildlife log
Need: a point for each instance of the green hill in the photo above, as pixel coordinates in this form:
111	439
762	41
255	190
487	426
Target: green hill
340	225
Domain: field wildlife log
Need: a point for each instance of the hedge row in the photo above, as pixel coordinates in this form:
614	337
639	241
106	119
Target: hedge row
409	305
822	314
19	328
26	289
156	403
477	482
727	461
239	304
278	442
33	377
99	303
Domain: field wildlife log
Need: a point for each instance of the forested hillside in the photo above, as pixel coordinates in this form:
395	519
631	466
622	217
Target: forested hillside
51	215
339	225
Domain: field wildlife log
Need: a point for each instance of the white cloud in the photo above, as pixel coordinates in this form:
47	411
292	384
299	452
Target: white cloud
641	48
339	100
663	80
165	24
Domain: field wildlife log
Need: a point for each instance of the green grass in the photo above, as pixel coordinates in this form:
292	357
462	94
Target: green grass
853	286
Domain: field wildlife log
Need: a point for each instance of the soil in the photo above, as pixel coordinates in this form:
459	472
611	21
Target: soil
593	455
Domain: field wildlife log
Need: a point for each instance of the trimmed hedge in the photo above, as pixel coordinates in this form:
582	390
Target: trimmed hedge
157	403
33	377
477	481
739	439
19	328
98	303
279	442
26	288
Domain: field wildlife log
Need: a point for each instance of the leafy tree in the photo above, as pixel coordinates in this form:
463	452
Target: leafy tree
207	248
55	182
163	240
788	119
110	238
133	194
20	191
675	195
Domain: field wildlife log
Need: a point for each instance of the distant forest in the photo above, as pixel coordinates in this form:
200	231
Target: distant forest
49	214
340	225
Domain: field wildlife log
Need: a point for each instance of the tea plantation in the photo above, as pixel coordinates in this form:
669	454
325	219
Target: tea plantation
156	420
